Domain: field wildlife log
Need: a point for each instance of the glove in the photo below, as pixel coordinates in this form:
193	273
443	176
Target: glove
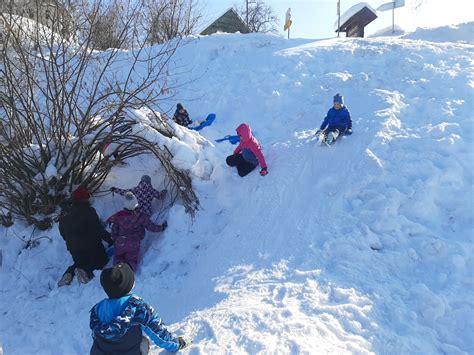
164	226
264	172
349	132
163	193
182	343
112	189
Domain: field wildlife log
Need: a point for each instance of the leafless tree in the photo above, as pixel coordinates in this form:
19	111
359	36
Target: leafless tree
261	17
64	103
107	22
166	20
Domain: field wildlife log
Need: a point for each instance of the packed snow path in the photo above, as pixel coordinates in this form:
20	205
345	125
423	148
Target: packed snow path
364	247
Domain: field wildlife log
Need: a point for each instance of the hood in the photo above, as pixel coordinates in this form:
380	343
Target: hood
244	131
113	317
109	308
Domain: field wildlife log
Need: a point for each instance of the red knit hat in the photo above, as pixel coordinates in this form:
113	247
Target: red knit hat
81	194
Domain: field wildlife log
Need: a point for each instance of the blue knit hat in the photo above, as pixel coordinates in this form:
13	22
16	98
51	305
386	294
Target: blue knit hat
338	98
146	178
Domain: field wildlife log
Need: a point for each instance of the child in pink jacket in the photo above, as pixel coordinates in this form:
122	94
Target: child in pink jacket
248	154
128	229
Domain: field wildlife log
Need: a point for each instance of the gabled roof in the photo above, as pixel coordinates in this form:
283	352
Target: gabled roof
362	13
230	22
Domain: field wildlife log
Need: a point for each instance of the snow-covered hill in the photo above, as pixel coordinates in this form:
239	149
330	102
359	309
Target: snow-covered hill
364	247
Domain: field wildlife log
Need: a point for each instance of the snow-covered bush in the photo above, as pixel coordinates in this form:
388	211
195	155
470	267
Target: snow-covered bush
63	104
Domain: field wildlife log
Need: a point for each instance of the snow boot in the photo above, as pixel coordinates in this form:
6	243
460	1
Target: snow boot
66	279
82	276
329	139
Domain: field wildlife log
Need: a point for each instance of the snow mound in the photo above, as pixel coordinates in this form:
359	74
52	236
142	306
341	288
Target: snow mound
463	32
387	31
364	247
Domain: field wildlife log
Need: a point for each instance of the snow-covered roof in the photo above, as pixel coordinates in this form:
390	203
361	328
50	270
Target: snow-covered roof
216	19
352	11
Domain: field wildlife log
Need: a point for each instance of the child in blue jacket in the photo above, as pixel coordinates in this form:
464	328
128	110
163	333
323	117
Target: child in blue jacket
117	322
337	122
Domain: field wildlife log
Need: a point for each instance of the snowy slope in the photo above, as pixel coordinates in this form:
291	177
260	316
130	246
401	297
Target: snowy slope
365	247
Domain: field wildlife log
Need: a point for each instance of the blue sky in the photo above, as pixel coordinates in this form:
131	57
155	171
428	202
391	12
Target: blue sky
315	18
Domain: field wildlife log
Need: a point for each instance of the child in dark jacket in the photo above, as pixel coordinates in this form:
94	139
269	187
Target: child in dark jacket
117	322
83	233
181	116
144	192
337	122
128	229
248	153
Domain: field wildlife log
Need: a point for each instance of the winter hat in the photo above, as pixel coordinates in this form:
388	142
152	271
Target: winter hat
130	201
117	280
146	178
338	98
179	107
81	194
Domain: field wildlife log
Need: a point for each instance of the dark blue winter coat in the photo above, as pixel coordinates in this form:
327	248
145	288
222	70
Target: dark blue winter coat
117	326
340	119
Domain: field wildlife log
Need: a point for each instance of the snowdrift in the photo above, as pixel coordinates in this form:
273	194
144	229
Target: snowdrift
463	32
364	247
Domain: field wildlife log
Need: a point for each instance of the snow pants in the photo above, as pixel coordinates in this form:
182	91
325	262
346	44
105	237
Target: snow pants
242	165
127	251
339	131
94	258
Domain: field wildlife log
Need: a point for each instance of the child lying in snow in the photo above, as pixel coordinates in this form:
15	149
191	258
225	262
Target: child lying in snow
248	153
128	229
117	322
145	194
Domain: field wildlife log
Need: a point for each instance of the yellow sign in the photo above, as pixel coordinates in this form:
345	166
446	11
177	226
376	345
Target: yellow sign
288	21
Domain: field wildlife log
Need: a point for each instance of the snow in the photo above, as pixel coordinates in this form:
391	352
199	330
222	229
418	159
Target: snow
352	11
463	32
364	247
29	28
51	171
388	31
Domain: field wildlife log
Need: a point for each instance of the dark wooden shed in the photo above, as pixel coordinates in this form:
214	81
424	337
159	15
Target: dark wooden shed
355	19
229	22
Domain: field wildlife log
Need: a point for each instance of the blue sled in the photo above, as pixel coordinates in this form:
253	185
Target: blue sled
207	122
231	139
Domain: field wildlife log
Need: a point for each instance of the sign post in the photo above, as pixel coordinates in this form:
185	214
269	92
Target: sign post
247	12
288	22
392	6
338	17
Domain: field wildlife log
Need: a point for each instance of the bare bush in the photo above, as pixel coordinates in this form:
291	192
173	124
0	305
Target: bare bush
261	17
166	20
62	102
107	22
